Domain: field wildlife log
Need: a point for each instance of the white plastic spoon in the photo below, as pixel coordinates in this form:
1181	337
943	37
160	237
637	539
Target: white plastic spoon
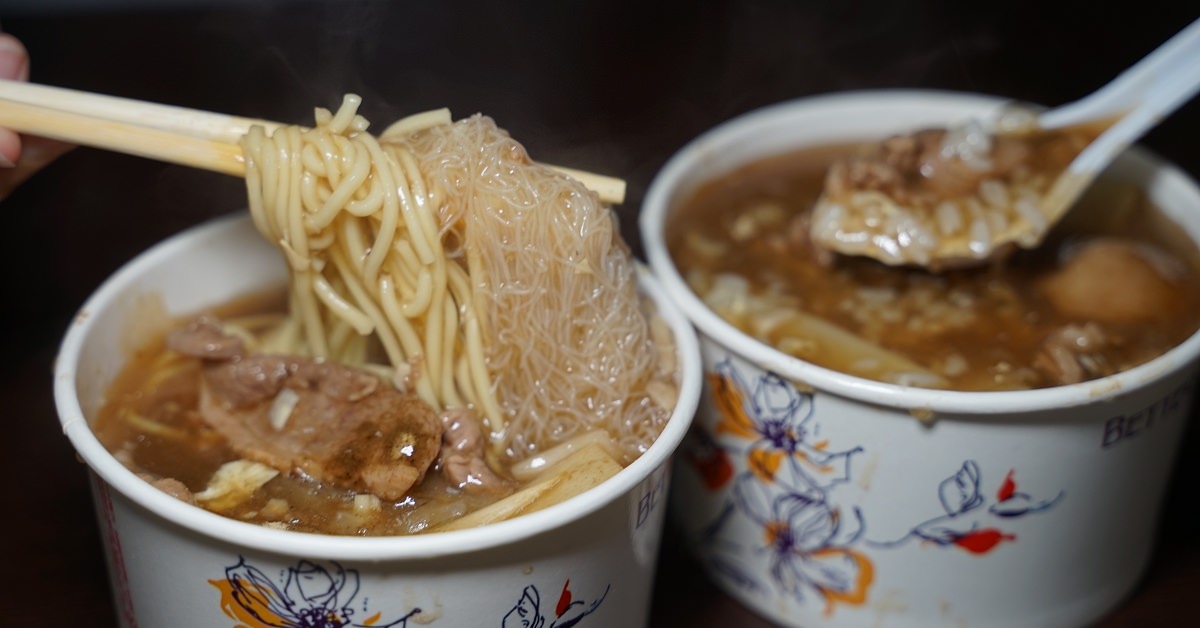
1135	101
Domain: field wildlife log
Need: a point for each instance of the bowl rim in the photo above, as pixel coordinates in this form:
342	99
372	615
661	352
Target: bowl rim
945	404
379	548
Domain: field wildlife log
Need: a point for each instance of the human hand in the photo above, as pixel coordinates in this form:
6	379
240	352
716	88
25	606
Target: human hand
21	156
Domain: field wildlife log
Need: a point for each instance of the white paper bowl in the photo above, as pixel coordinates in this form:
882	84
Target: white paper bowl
1032	508
174	565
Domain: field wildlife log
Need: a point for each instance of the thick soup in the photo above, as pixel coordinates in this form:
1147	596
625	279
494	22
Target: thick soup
314	446
1097	297
153	422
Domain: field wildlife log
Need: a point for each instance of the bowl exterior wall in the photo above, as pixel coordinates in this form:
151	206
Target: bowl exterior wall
820	499
598	569
588	561
820	510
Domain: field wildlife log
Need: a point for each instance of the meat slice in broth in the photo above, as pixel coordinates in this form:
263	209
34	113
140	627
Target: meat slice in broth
334	424
463	462
171	487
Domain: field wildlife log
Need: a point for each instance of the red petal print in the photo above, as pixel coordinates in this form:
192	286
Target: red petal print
983	541
1008	488
564	600
714	467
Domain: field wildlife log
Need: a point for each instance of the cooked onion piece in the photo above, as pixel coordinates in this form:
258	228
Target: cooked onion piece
587	468
782	324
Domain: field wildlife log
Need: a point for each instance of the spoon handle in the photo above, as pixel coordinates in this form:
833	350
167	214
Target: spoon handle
1145	93
1142	96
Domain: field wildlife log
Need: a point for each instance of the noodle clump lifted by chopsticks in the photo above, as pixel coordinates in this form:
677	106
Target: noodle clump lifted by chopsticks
482	279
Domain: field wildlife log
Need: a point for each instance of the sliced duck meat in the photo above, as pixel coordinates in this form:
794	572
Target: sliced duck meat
335	424
204	338
171	487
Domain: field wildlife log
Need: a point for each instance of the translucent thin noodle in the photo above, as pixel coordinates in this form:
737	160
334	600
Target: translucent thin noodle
485	280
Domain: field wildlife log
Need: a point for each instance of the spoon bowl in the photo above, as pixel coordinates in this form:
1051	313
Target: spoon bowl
891	205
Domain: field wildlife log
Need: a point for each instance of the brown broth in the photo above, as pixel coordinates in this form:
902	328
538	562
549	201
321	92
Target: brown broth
979	329
151	422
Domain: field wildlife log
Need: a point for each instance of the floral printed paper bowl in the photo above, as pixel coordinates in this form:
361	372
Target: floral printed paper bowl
817	499
587	561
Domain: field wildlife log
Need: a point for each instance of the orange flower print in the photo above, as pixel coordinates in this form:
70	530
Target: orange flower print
772	417
809	544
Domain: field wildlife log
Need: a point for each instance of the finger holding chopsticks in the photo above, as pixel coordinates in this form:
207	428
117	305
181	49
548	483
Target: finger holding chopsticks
21	157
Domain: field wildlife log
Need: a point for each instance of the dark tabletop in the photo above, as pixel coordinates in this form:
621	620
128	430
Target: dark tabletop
611	86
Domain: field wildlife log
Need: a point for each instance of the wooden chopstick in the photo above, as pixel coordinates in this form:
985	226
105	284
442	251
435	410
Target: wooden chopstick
28	109
189	137
191	122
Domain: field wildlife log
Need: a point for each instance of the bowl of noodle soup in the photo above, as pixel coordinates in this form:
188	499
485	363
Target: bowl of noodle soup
552	541
821	489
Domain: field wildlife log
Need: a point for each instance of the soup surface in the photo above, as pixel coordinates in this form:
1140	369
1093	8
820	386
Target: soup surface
1113	286
328	448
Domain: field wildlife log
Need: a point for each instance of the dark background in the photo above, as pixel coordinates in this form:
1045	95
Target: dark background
609	86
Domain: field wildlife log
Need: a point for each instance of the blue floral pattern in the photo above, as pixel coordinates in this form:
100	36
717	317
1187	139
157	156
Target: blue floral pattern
527	613
815	546
308	595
